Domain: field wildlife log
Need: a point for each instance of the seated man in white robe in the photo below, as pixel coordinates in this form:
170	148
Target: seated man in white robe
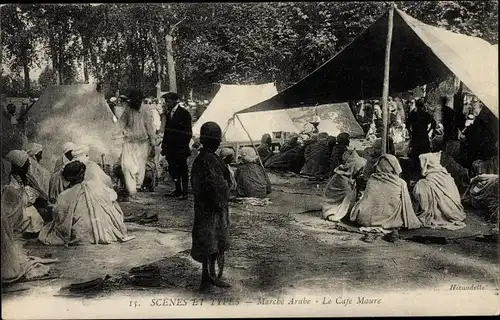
36	170
251	179
438	196
93	171
386	203
340	193
87	212
66	157
57	183
19	196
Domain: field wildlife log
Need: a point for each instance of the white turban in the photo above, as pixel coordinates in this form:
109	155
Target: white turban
308	128
68	146
80	151
304	137
17	157
34	148
224	152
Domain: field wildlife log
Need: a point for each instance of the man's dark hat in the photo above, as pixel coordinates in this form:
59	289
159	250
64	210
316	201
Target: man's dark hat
170	96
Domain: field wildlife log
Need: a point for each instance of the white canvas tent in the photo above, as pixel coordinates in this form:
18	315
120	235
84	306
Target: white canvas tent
233	98
471	59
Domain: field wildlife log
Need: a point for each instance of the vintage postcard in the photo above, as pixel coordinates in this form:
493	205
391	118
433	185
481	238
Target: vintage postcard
273	159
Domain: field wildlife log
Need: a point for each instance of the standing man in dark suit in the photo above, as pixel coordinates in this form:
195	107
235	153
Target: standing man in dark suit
175	145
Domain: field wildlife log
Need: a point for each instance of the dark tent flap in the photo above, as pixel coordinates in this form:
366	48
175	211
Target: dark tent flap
357	71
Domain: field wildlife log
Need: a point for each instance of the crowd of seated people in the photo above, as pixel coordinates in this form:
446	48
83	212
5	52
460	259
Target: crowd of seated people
79	205
425	178
433	197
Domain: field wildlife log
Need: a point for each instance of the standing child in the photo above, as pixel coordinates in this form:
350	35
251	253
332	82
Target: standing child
210	180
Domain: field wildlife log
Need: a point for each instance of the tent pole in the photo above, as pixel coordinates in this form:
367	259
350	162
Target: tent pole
237	152
251	141
385	90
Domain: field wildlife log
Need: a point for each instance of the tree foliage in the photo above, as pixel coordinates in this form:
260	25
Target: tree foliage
472	18
124	45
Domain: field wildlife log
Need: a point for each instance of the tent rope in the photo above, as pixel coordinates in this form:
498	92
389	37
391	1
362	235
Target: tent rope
251	140
227	126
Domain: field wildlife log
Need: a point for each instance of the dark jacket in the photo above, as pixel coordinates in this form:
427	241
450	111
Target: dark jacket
178	132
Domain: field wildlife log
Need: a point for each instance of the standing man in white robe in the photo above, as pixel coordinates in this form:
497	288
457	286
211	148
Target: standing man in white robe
139	136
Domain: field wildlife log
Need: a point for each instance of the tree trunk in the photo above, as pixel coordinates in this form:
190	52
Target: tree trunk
26	77
158	67
53	54
85	69
86	51
143	63
171	64
59	68
59	63
95	63
143	40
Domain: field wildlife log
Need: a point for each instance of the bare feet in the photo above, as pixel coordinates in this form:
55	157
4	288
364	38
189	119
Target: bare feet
221	283
128	238
204	286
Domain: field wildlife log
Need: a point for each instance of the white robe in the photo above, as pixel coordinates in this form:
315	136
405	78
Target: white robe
138	132
86	213
17	200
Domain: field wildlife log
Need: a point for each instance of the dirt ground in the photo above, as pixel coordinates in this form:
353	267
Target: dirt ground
276	249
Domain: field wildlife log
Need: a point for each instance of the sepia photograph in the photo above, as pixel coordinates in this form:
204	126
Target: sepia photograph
249	159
